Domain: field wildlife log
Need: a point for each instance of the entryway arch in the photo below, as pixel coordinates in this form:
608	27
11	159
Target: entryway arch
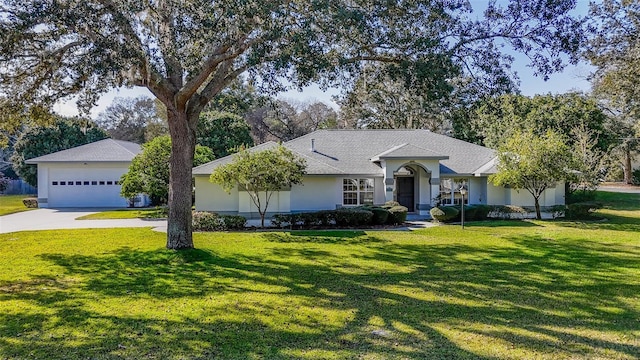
412	184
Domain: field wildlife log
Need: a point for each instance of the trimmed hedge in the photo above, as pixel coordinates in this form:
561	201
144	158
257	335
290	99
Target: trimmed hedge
233	222
343	217
353	217
476	212
482	212
208	221
635	179
444	213
397	215
380	215
505	211
557	211
581	210
390	204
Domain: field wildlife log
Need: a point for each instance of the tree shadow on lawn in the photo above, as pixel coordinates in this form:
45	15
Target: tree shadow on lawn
289	304
612	222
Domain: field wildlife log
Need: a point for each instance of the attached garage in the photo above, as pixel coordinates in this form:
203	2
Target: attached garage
84	176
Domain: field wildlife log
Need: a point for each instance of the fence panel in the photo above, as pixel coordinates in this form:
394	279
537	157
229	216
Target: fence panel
17	187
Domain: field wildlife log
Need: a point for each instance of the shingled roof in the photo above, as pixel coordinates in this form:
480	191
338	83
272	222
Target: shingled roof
107	150
358	152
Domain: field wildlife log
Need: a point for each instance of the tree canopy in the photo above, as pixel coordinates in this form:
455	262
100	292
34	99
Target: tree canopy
187	52
223	132
614	49
149	170
496	119
261	174
132	119
63	134
533	163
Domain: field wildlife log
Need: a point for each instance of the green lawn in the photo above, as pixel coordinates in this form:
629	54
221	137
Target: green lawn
126	214
498	290
10	204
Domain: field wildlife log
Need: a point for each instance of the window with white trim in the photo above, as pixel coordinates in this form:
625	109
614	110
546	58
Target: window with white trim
450	191
357	191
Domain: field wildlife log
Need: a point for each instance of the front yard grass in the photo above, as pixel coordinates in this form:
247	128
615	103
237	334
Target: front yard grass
10	204
496	290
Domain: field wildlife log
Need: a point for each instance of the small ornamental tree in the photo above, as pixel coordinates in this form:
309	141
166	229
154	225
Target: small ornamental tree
261	174
534	163
149	170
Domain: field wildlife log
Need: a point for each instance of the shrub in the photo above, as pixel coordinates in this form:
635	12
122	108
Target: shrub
469	213
390	204
326	217
557	211
444	213
31	203
380	215
582	210
209	221
505	211
233	222
285	220
480	212
206	221
397	215
353	217
635	178
579	196
317	218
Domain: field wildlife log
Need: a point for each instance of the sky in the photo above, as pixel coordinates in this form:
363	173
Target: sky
573	78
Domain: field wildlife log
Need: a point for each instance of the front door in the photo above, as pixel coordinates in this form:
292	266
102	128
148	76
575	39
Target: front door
405	193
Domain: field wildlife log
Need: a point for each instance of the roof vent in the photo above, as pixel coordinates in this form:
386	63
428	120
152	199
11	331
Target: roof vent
313	145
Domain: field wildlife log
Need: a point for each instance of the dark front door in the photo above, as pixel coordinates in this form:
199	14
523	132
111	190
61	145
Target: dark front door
405	192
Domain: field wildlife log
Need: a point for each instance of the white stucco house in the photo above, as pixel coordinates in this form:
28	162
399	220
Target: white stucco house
356	167
84	176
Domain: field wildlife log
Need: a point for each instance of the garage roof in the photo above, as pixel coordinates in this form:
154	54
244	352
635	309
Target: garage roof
107	150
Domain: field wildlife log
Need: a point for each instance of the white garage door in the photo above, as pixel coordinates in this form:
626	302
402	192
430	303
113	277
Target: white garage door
73	188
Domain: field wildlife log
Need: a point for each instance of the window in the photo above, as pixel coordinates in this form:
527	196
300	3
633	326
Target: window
55	183
69	182
63	183
450	191
357	191
101	182
78	182
94	183
85	183
109	182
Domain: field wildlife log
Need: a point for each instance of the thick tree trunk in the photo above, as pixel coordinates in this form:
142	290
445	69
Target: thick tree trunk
628	171
183	142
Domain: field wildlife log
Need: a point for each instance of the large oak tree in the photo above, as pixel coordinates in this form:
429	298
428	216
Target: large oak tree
186	52
614	49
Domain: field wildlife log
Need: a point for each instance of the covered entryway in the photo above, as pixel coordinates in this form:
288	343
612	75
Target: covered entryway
406	192
406	187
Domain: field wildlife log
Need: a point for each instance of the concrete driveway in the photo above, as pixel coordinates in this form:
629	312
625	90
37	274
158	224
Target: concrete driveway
52	219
